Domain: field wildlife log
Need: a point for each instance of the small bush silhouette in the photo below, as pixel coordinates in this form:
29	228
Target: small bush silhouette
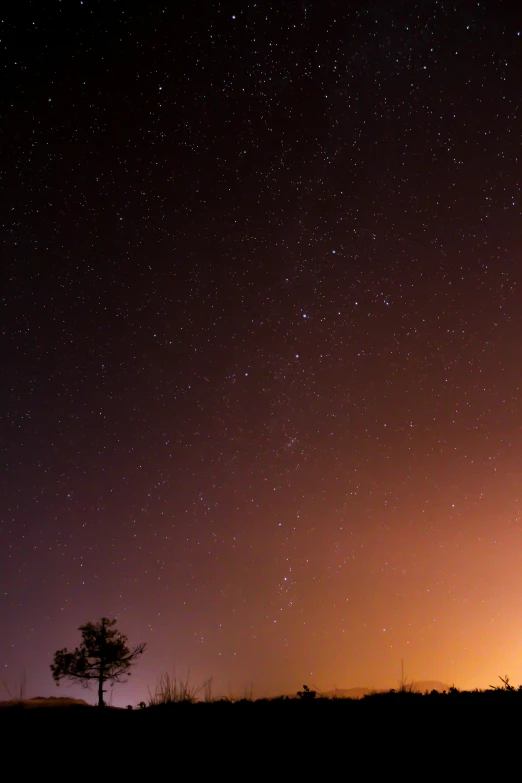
306	694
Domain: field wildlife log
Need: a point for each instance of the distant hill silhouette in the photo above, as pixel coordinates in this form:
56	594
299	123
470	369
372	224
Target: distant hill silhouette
430	685
42	701
346	693
359	693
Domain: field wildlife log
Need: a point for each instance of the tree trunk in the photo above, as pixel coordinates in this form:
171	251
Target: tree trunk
101	703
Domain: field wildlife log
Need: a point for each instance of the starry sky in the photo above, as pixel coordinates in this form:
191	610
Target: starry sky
262	311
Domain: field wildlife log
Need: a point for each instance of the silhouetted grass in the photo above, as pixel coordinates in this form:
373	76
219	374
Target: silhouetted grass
173	690
19	698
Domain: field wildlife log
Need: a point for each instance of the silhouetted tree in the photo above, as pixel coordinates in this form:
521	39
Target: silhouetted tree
103	655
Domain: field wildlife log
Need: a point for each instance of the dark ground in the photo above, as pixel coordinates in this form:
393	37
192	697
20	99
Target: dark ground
414	735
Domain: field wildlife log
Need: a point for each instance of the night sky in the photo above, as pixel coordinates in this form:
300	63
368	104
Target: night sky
262	310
